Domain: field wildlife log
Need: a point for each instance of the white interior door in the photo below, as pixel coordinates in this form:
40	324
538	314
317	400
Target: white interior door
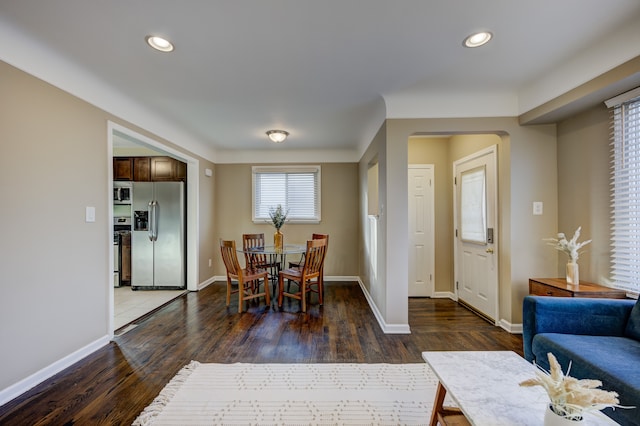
421	230
476	238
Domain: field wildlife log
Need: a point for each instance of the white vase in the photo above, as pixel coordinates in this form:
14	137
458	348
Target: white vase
573	273
552	419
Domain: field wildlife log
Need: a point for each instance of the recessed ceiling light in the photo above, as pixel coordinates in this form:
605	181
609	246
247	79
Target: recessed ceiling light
478	39
159	43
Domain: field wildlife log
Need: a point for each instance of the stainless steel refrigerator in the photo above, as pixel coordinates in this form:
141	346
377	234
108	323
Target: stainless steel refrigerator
158	236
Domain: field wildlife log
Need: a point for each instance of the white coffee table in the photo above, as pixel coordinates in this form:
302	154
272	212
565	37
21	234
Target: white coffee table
485	385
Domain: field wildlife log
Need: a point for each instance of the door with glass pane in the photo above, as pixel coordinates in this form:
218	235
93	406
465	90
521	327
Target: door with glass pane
476	238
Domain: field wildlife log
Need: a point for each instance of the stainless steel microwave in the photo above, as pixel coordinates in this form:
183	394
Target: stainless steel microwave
122	193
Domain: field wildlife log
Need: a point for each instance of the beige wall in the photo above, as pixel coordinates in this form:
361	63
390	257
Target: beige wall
55	266
207	246
339	215
583	190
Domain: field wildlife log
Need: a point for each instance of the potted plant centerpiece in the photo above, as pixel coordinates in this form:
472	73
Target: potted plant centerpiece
278	217
569	397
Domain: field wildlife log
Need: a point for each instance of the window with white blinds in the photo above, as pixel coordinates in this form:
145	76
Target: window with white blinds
296	188
625	190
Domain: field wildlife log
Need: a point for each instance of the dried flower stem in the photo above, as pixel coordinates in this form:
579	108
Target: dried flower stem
570	397
570	247
278	216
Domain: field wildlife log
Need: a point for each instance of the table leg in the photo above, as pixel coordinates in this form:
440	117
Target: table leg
275	269
447	416
277	262
437	404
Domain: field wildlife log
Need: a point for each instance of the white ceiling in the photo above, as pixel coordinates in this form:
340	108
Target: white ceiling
327	71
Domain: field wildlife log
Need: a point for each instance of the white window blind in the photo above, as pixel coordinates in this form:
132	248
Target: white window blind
625	193
296	188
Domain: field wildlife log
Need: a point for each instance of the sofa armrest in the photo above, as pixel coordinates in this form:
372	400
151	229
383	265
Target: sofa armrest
568	315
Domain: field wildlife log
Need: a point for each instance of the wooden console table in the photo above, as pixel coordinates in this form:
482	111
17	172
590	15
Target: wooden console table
558	287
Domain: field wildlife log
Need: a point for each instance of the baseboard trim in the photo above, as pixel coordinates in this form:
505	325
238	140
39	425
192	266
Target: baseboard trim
444	295
509	327
386	328
341	278
205	283
38	377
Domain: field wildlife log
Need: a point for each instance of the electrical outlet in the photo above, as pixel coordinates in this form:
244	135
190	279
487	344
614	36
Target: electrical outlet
209	263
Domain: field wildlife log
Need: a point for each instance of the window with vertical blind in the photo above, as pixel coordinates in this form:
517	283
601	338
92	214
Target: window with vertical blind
625	191
296	188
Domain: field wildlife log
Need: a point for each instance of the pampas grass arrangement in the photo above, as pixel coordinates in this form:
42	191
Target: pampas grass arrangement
570	247
570	397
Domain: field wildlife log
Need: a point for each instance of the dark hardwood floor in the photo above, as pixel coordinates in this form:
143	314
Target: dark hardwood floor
114	384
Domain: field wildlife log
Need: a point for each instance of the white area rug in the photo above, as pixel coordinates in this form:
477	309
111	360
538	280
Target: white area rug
295	394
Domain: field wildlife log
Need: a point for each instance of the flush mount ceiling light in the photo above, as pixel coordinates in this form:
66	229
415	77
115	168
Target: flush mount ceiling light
277	136
159	43
477	39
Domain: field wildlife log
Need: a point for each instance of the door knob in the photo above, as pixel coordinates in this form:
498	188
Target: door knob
489	250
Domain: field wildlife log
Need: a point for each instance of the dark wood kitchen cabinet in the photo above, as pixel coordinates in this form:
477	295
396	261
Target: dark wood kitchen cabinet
122	168
181	171
149	169
142	169
167	169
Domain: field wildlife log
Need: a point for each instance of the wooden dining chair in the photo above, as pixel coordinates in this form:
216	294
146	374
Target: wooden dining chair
305	276
256	260
297	264
300	262
248	278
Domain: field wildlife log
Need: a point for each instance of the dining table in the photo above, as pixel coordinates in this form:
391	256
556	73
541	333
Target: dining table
276	257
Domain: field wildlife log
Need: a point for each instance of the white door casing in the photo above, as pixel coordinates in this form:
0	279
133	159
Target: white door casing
476	231
421	230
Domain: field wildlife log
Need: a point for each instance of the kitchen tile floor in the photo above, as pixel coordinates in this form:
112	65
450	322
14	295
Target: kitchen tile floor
130	305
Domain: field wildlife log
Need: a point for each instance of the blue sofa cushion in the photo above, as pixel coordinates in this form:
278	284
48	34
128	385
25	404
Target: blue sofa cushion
570	315
610	359
633	323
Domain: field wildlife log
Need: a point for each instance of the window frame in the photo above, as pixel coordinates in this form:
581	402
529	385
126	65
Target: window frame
315	169
624	219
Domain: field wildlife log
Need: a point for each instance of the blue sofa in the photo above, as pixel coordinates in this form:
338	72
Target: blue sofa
600	337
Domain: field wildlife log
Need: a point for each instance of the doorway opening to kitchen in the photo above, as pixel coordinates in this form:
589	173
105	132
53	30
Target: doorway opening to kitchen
148	270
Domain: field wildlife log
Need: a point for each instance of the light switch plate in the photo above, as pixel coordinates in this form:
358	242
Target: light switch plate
537	208
90	214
